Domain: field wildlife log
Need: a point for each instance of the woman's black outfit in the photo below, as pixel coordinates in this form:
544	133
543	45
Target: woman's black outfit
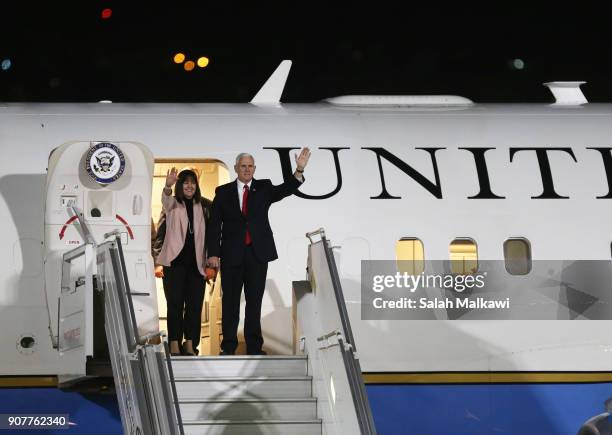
184	286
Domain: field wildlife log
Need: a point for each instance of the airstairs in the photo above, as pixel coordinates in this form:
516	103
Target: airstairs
317	391
246	395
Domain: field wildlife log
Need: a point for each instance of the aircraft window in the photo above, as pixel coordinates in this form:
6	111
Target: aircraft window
463	256
517	255
410	255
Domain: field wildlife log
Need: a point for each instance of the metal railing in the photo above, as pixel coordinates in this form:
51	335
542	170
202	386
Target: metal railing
340	333
143	374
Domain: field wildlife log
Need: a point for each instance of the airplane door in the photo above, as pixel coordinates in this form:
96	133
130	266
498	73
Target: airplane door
211	173
94	188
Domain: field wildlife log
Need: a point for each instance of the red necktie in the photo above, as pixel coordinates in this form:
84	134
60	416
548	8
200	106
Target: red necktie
245	196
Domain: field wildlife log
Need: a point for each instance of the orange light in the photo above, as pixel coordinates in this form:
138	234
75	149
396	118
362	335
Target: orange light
179	58
189	65
203	62
107	13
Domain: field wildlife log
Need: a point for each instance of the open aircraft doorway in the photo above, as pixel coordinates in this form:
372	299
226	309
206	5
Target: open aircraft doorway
211	173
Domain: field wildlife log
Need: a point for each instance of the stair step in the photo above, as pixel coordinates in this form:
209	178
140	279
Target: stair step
277	365
262	387
252	427
249	409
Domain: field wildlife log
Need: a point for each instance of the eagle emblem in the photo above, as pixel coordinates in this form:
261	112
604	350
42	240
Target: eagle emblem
105	162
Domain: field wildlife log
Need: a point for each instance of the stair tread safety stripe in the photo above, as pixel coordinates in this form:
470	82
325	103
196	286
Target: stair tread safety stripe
235	422
250	400
244	378
241	358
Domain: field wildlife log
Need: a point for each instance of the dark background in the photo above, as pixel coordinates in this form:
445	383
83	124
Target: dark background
62	52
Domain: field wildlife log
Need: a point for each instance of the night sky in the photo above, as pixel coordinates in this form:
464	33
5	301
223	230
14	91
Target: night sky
71	54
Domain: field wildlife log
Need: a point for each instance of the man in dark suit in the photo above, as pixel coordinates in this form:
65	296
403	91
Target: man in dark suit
239	240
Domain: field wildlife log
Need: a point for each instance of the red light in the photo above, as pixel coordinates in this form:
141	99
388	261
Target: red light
106	13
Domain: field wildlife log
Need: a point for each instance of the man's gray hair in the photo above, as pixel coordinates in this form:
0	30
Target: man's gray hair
242	156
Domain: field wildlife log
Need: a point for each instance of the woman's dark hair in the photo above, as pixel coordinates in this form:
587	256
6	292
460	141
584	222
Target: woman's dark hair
178	189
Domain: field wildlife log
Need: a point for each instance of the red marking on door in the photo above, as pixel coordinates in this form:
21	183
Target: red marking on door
68	222
127	226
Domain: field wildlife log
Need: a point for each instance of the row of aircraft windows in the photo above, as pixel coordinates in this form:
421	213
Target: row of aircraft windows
463	255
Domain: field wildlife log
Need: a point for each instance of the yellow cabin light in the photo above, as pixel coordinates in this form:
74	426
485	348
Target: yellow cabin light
203	62
410	256
189	65
463	256
179	58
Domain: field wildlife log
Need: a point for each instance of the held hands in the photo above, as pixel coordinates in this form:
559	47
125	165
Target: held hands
211	273
213	262
211	270
302	160
159	271
171	177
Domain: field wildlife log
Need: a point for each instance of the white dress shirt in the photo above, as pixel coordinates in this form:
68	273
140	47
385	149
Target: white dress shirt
241	190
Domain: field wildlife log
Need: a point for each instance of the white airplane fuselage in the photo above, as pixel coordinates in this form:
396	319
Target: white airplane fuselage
362	215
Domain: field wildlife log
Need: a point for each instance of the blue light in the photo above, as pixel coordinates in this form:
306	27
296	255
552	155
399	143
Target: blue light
6	64
518	63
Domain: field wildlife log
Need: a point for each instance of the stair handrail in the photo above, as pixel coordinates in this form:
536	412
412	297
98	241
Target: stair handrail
120	272
177	407
87	234
346	342
136	342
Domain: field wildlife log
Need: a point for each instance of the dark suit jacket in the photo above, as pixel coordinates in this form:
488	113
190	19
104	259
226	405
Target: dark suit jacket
158	241
227	229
